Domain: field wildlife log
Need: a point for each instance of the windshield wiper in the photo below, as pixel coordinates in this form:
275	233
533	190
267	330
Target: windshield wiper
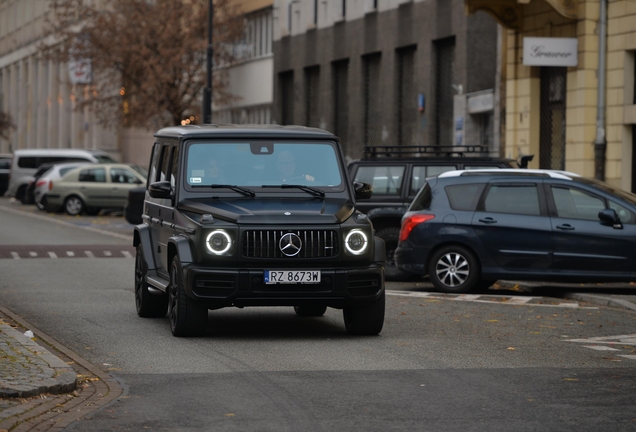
313	191
247	192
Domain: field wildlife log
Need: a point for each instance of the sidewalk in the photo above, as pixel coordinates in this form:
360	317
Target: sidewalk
28	369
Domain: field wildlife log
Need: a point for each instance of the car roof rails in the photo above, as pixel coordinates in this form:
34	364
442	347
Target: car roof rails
374	152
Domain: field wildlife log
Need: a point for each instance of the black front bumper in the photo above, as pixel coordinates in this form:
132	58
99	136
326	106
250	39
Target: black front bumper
246	287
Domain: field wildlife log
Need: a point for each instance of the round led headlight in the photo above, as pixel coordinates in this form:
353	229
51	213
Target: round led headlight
356	242
218	242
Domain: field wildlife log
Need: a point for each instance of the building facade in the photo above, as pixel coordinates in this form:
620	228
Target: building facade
570	84
40	94
387	72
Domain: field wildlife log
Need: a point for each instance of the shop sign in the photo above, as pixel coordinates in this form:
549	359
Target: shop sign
480	102
550	51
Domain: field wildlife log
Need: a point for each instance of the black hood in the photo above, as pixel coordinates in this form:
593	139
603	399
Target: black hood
273	210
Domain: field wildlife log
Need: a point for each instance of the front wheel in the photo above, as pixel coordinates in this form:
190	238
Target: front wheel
148	305
454	269
365	318
186	317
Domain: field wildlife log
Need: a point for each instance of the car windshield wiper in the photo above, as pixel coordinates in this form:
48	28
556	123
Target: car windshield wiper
313	191
235	188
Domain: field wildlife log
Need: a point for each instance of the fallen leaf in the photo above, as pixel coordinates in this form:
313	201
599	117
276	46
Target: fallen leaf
230	415
511	348
491	321
570	379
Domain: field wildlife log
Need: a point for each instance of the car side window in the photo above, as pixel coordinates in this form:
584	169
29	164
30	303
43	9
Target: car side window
174	166
386	180
576	204
95	175
624	215
464	197
514	199
165	163
154	163
120	175
418	178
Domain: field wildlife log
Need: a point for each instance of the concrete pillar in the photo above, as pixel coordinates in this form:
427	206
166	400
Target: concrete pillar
13	102
76	118
42	115
31	108
4	103
53	106
65	108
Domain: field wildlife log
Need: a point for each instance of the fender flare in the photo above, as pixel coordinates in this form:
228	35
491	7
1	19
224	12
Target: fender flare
379	253
182	247
141	236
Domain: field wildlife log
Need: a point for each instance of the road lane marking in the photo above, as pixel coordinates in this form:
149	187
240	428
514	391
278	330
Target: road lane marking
15	255
600	348
484	298
33	254
108	253
126	254
89	254
631	357
52	255
70	253
611	340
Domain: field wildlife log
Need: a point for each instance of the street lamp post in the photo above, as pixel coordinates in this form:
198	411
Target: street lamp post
206	112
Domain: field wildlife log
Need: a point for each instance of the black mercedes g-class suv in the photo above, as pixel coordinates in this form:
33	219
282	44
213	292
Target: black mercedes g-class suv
255	216
397	173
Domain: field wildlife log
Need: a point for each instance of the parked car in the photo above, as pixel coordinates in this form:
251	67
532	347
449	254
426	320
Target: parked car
43	183
29	194
398	172
5	169
25	163
255	216
89	189
466	229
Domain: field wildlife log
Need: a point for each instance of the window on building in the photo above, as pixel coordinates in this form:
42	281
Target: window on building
258	38
312	84
552	118
341	99
407	96
316	12
286	80
634	74
372	99
444	80
344	9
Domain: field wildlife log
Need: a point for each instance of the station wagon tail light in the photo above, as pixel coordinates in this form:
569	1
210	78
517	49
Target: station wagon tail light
40	183
411	222
219	242
50	185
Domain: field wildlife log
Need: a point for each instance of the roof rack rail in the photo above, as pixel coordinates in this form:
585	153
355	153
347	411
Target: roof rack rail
372	152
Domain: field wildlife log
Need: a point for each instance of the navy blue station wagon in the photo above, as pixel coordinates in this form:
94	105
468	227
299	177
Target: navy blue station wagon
467	229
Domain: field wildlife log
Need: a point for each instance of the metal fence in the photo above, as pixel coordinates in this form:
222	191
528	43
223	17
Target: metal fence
552	121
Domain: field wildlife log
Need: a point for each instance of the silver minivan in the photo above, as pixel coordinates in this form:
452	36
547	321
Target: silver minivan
26	162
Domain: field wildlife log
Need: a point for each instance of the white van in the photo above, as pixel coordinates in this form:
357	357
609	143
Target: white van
26	162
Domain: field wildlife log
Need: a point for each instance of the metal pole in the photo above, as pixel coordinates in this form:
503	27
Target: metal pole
206	111
600	143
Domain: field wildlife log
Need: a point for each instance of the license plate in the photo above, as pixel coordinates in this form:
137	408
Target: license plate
292	276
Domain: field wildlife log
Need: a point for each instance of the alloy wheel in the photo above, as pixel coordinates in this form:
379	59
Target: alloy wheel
452	269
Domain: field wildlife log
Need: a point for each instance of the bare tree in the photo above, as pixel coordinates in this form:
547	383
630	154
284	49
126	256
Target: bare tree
148	57
6	124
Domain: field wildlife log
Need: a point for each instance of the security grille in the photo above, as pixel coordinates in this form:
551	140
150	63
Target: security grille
407	96
372	99
552	122
312	82
287	97
265	243
341	100
444	79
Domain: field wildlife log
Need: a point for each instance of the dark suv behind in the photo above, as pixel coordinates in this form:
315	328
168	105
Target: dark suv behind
467	229
255	216
398	172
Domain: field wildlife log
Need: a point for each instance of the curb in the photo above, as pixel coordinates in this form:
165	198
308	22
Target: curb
603	301
54	375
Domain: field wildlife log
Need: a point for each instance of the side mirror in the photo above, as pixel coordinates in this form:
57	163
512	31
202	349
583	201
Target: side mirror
610	217
160	189
523	163
363	190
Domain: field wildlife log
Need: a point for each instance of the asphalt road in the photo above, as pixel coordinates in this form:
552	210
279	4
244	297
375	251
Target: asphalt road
504	362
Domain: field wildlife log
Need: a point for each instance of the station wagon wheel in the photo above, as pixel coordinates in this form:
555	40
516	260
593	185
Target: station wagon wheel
454	269
186	317
74	205
365	318
148	305
310	311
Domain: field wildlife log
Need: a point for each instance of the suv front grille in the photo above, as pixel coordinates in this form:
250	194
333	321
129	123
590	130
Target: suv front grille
265	243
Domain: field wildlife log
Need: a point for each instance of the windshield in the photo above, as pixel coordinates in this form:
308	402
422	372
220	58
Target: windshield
263	163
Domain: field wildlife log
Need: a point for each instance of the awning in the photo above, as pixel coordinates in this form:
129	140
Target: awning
509	12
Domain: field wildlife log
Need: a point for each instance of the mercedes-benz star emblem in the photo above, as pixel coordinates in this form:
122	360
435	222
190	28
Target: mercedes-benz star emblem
290	244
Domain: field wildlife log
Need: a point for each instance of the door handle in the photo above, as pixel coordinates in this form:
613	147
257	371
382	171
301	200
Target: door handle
488	220
566	227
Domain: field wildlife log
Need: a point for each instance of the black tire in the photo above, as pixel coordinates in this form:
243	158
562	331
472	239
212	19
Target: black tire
20	195
310	311
365	318
391	237
186	317
74	205
454	269
148	305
